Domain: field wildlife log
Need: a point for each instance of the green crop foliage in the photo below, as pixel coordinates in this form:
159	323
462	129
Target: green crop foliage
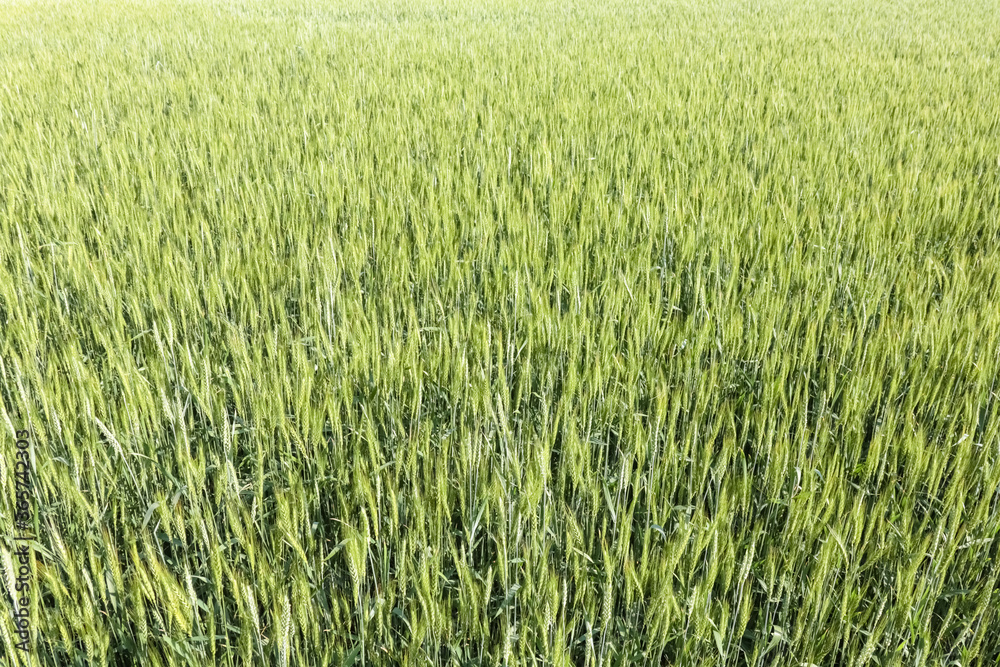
502	333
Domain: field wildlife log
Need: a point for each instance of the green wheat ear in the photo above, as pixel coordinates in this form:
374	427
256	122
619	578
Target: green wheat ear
438	333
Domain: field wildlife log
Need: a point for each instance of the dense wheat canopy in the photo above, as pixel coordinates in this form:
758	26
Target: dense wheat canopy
502	333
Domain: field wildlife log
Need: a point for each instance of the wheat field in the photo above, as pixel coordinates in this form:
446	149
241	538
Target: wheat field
454	333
